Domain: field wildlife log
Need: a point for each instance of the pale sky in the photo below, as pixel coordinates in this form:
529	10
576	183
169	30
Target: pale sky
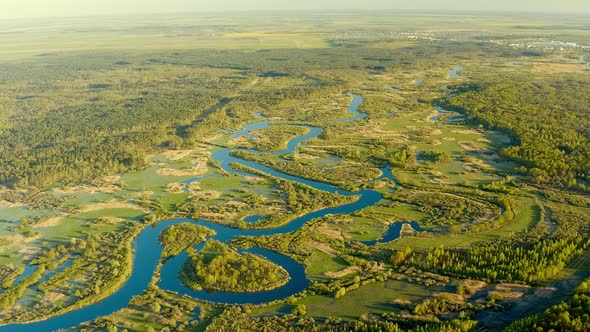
43	8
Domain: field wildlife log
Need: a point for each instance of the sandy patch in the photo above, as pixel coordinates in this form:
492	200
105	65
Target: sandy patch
226	217
175	172
199	168
499	296
401	301
511	287
237	204
53	297
253	179
380	184
322	247
49	222
110	205
439	181
469	146
110	189
434	172
448	138
111	178
407	229
472	286
110	220
29	252
343	273
373	129
474	164
303	156
465	131
332	233
174	187
436	142
18	239
436	132
10	204
559	67
176	155
508	291
196	191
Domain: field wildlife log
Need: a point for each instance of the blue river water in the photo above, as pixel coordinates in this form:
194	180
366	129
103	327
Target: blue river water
147	248
254	218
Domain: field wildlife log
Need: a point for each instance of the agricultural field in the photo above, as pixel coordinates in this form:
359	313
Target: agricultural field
344	172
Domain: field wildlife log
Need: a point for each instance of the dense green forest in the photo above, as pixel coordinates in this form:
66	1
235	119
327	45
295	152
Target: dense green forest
217	267
178	238
75	124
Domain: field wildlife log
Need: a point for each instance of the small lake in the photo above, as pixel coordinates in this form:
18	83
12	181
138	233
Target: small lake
454	73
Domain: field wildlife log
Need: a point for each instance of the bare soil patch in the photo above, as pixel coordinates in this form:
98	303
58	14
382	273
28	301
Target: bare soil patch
465	131
343	273
322	247
108	189
49	222
113	204
469	146
332	233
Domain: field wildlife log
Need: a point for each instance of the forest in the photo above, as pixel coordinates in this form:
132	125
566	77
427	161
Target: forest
549	120
216	267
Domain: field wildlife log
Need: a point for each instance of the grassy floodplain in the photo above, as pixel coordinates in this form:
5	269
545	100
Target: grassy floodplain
110	131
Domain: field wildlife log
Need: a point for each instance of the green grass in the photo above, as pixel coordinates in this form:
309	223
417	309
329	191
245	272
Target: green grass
148	179
399	212
80	199
527	214
12	214
363	229
376	298
322	262
466	166
232	182
170	200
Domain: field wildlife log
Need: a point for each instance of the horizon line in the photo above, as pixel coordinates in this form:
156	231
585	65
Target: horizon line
277	12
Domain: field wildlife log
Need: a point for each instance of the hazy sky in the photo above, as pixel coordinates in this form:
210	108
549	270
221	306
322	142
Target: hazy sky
40	8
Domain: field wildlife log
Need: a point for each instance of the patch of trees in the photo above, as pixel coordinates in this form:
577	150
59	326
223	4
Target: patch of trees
343	175
296	198
513	260
435	157
444	208
218	267
238	318
175	239
102	262
570	315
274	138
549	120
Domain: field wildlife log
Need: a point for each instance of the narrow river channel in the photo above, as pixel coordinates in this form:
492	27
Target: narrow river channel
147	249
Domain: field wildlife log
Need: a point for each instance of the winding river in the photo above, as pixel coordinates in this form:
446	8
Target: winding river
147	249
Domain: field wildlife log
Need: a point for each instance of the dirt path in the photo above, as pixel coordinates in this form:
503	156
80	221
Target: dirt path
538	299
548	220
